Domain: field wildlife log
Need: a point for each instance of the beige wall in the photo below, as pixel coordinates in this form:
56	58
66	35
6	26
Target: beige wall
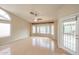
20	29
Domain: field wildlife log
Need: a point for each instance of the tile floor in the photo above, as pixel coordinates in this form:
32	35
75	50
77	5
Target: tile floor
32	46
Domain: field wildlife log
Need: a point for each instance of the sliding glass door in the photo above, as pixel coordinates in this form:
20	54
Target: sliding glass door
69	35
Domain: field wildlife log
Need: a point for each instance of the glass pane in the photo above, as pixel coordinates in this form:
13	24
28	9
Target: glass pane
42	29
4	29
48	29
38	29
33	29
52	29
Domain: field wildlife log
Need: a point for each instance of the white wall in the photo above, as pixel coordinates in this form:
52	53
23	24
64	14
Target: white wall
20	29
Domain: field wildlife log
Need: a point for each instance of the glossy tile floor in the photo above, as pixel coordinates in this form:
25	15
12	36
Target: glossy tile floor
32	46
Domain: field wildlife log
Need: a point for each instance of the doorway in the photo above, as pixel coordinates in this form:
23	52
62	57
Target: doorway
70	33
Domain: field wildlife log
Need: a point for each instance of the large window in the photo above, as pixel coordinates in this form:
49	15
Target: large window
4	24
43	28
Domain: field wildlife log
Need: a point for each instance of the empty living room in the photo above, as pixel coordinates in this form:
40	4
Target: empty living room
39	29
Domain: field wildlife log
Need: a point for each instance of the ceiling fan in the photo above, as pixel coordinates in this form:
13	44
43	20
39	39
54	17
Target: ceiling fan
35	14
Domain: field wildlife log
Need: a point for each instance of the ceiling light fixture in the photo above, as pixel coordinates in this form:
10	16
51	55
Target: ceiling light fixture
35	20
36	14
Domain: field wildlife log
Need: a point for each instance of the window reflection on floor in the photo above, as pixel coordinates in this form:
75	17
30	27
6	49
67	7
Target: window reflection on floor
6	51
42	42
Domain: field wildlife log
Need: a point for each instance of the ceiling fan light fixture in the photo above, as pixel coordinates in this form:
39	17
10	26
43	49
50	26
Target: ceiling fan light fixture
35	20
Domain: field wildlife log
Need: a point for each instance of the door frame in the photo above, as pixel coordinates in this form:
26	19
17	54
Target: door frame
60	32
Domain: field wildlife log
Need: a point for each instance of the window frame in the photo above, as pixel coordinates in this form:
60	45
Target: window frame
5	21
47	25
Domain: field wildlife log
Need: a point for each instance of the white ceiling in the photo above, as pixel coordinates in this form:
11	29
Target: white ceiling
46	12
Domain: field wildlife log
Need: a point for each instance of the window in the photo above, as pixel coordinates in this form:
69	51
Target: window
4	15
43	29
4	24
52	29
48	29
34	29
4	29
38	29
